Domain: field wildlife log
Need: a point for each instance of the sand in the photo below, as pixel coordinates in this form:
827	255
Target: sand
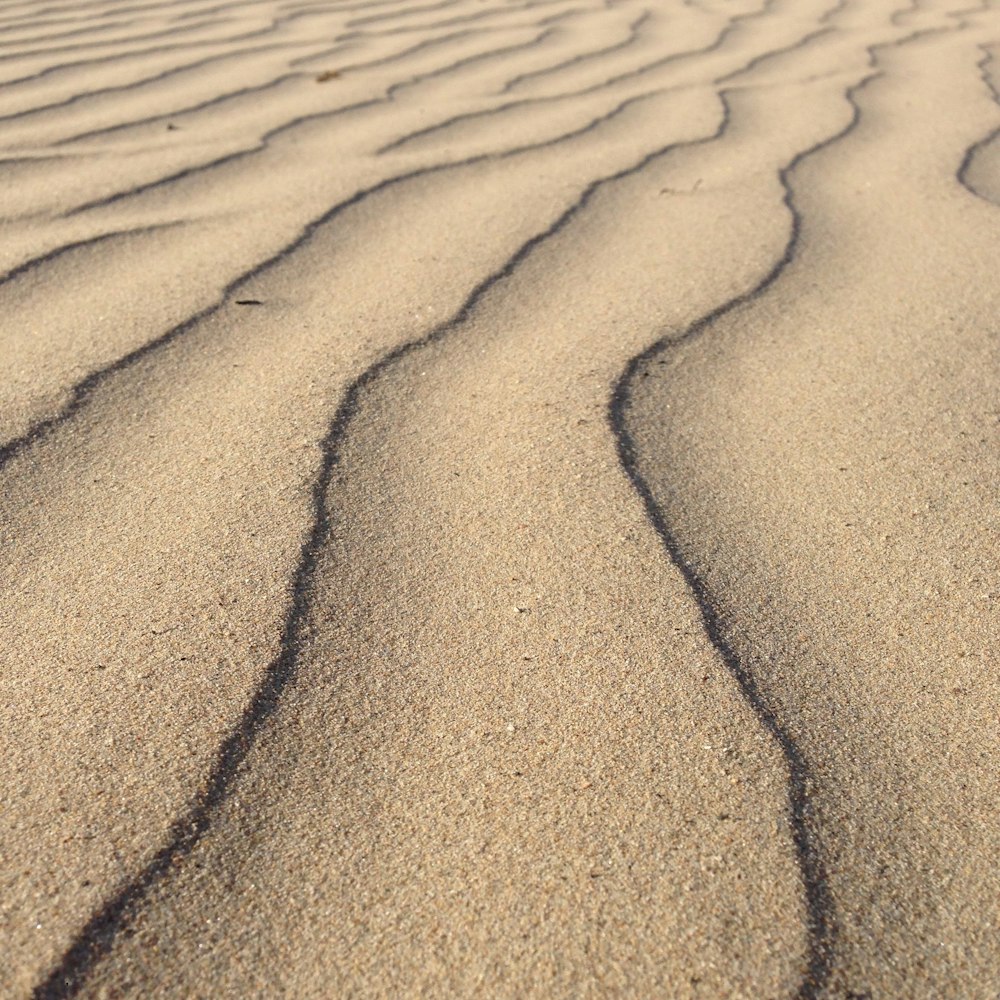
499	499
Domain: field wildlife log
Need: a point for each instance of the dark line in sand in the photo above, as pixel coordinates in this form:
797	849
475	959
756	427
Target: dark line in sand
635	28
821	926
464	19
786	50
110	43
277	82
97	937
632	74
381	60
501	52
89	27
87	12
81	392
821	915
86	64
264	142
46	258
257	89
404	11
961	175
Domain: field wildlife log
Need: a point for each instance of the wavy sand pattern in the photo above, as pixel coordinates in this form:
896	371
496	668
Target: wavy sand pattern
499	498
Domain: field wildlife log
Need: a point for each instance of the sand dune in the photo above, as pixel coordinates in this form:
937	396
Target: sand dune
499	498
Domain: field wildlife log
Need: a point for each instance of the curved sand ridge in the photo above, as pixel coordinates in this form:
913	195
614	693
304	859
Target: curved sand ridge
515	517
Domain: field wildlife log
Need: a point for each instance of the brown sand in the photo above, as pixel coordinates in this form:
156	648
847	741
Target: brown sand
499	499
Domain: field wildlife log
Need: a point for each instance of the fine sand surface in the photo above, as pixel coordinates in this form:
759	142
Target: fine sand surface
499	498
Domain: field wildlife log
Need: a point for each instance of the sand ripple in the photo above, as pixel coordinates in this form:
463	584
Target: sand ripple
499	498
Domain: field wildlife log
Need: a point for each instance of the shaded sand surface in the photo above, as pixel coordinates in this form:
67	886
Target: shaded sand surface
499	498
